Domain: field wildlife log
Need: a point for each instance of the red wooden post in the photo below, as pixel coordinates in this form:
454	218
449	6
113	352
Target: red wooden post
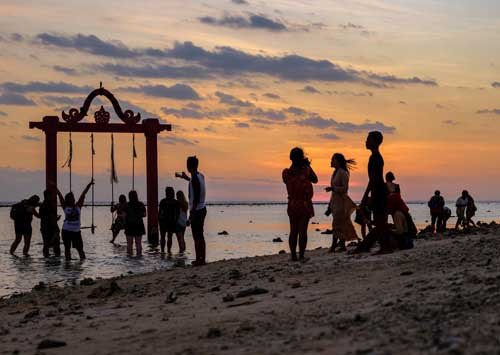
151	130
50	130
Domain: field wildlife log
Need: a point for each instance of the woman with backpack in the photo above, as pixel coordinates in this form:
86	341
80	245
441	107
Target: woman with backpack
71	230
22	214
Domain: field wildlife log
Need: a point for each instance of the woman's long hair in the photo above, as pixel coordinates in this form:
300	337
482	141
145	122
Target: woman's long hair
182	200
346	164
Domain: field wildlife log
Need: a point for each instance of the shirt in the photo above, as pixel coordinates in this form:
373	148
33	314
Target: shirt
197	191
462	202
72	217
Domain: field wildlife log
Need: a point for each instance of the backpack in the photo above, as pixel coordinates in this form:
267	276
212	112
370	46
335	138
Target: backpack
18	211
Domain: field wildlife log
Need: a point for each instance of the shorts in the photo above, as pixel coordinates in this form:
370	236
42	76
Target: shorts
118	225
72	239
197	223
22	229
167	229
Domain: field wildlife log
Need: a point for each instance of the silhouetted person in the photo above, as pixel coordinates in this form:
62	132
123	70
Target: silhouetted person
71	230
470	211
197	208
168	213
134	224
461	205
444	219
363	218
182	220
436	206
121	213
341	205
22	214
392	187
298	179
404	229
375	196
48	224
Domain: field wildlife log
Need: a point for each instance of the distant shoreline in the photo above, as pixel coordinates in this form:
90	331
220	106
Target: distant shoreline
250	203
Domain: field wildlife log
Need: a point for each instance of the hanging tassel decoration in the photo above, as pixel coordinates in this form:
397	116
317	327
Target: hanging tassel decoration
134	156
114	176
68	161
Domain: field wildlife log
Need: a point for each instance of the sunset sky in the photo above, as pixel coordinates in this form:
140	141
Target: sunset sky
244	81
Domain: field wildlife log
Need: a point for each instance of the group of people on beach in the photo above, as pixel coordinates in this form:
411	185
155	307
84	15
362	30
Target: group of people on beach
381	199
440	213
172	212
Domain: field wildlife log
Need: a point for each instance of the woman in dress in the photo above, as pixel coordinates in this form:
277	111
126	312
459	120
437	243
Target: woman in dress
298	179
341	205
134	225
119	222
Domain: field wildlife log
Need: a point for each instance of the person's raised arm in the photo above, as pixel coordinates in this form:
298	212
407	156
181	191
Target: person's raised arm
183	175
61	198
82	196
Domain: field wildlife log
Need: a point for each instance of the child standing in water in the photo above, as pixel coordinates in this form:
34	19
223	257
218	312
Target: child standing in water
71	230
119	222
168	214
134	225
182	220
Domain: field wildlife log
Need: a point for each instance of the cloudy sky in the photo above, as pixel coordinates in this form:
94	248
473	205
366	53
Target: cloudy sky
244	81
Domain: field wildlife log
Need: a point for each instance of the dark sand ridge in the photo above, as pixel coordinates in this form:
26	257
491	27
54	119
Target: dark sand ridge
441	297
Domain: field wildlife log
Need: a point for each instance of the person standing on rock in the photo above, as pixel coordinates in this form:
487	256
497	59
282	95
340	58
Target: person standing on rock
341	205
436	206
298	179
197	208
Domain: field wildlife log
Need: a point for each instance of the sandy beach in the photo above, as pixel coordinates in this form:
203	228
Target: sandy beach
441	297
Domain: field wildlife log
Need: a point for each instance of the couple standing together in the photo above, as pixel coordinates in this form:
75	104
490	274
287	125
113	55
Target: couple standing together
299	178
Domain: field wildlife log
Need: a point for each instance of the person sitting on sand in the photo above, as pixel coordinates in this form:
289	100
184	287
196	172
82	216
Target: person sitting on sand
168	213
298	179
22	214
444	219
182	220
470	211
71	230
363	218
134	224
119	222
436	205
392	187
341	205
461	205
404	230
197	208
48	224
376	195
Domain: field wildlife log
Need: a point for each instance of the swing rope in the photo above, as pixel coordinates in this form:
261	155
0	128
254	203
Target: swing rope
134	156
92	227
114	176
68	162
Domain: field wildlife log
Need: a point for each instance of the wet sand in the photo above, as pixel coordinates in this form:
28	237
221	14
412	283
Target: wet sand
441	297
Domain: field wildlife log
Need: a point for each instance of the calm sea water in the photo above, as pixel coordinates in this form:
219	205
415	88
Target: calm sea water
251	230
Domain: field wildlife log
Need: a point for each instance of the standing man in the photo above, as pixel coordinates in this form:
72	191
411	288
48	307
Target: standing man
197	208
375	196
436	205
48	224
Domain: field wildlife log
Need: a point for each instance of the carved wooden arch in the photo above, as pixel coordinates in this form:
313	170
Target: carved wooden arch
101	116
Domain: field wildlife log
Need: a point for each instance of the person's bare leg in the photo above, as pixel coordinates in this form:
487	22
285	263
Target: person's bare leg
292	239
15	244
130	242
169	242
138	245
81	253
181	241
162	241
27	244
304	223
